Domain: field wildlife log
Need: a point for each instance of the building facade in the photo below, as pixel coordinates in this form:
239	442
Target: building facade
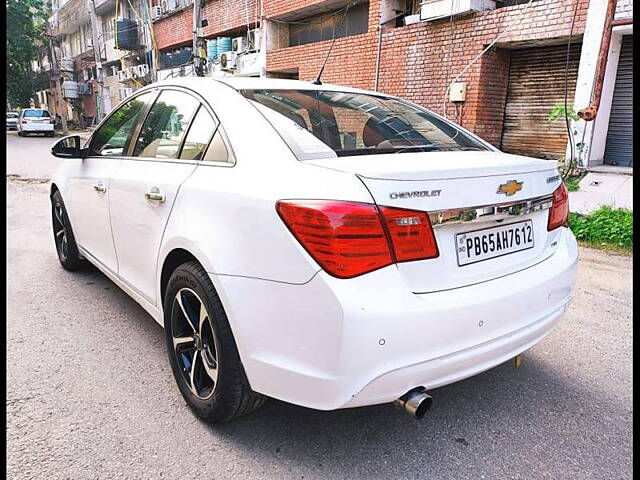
97	53
499	68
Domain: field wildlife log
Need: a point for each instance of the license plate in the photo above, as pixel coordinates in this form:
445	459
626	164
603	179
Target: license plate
479	245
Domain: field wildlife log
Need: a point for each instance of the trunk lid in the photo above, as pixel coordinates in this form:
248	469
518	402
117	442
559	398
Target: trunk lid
453	184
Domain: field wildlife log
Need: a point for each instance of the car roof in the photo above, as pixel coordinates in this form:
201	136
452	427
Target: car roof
203	84
255	83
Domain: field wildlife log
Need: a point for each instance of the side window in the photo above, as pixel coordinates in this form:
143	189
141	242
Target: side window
217	151
165	125
111	138
198	136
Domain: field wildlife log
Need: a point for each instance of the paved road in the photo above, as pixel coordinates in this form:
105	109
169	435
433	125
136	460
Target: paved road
91	396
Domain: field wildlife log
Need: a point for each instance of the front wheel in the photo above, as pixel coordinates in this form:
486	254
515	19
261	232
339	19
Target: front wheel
66	247
202	351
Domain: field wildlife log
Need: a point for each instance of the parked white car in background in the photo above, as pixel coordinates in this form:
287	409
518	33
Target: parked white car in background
326	246
12	120
35	120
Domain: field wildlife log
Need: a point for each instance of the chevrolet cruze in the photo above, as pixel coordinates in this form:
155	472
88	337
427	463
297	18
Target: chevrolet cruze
322	245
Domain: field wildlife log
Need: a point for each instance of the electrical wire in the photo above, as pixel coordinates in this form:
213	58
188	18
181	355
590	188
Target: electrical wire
495	40
319	19
454	4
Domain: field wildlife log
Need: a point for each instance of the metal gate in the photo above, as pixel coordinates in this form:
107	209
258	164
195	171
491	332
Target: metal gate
619	146
536	85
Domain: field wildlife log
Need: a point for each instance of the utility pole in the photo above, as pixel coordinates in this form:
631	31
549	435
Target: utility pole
96	33
199	52
55	66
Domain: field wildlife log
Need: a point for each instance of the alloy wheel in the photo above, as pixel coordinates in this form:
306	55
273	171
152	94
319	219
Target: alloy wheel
60	231
194	343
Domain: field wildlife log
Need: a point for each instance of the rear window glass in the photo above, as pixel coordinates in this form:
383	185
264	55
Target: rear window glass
12	115
36	113
316	122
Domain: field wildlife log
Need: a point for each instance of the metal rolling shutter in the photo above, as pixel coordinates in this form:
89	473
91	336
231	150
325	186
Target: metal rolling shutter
536	85
619	147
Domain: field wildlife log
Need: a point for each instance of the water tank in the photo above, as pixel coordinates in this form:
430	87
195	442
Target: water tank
212	49
126	34
224	44
66	64
70	89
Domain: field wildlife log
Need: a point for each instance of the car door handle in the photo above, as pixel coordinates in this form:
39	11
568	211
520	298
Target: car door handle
154	194
100	187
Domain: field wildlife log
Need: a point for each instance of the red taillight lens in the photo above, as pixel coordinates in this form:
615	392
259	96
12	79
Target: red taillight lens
345	238
559	213
24	120
348	239
411	234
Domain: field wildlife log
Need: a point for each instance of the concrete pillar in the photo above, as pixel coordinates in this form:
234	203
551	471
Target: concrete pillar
593	32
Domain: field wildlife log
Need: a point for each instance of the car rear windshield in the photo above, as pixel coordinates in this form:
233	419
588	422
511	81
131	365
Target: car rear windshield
346	124
12	115
36	113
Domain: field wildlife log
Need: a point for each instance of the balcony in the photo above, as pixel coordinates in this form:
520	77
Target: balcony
104	6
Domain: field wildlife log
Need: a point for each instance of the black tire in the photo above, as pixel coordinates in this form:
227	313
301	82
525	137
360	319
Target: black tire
229	396
20	134
66	246
49	134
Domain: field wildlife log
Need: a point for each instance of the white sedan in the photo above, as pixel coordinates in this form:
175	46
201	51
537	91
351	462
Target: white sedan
35	120
322	245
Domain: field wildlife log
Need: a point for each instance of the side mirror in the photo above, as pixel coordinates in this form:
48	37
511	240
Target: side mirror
67	147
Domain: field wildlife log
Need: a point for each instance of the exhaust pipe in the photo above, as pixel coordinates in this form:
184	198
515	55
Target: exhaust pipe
415	402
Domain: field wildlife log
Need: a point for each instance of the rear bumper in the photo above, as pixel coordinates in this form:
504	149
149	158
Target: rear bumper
36	127
332	343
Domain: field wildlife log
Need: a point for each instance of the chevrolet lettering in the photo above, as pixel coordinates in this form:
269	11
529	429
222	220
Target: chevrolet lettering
416	194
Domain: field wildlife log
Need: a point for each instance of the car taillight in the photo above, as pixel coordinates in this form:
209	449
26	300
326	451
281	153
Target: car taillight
411	234
559	213
24	120
348	239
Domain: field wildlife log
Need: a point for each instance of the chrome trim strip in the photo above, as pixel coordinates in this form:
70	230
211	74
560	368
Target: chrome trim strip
487	213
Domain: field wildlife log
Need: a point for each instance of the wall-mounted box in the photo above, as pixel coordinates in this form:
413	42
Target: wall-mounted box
458	92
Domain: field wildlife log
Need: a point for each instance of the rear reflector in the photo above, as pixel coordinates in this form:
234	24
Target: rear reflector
559	213
348	239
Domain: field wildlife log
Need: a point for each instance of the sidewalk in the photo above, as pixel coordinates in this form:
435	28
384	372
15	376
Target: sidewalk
598	189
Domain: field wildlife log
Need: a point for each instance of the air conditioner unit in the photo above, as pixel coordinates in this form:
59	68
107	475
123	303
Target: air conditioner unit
124	92
239	45
434	9
84	88
142	70
254	40
168	5
156	12
122	75
228	61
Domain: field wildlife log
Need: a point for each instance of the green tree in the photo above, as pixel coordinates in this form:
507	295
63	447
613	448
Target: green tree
26	23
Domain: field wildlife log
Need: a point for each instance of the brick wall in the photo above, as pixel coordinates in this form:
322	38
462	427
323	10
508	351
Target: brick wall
223	16
415	62
624	9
